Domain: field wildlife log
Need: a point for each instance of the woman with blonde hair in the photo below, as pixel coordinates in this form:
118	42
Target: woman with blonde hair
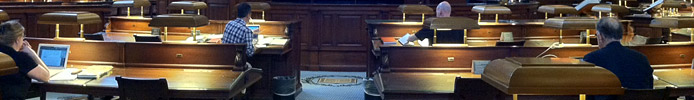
15	86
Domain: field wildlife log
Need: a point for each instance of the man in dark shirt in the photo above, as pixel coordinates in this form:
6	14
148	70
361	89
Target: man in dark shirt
631	67
15	86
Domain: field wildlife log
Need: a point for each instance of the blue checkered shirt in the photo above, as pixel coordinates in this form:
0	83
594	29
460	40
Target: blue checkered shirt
236	31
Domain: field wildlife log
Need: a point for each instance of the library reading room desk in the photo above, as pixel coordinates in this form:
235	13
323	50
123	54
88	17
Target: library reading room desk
183	83
201	71
442	86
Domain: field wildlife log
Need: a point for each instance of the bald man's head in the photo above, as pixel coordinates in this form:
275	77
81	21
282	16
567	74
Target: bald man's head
443	9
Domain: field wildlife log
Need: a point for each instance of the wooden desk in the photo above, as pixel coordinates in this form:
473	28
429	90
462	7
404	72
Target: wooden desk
435	59
183	83
413	86
275	60
682	80
120	50
432	86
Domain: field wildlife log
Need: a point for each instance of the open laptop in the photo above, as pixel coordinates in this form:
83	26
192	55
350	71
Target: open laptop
253	27
55	56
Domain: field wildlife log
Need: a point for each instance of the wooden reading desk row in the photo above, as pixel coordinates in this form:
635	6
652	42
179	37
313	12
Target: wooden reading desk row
195	69
443	86
183	83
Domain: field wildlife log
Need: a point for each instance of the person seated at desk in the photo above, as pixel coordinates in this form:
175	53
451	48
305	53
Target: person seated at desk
236	31
631	67
16	86
448	36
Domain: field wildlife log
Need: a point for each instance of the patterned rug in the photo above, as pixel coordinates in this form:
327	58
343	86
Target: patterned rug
322	85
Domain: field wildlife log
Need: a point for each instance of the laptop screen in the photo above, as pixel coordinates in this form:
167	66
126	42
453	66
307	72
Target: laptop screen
54	55
254	27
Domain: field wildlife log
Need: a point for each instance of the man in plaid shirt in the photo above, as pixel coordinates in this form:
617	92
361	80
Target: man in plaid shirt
236	31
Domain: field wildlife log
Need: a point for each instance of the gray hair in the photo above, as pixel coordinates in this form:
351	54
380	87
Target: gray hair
443	7
10	31
610	28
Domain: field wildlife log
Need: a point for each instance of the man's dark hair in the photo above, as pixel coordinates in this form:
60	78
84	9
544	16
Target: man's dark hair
242	10
610	28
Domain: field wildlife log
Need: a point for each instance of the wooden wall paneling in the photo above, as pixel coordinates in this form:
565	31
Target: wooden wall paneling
219	56
219	11
31	14
342	44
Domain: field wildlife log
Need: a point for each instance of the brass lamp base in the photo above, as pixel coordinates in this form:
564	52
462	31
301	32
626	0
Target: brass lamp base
68	39
681	43
450	45
179	42
575	45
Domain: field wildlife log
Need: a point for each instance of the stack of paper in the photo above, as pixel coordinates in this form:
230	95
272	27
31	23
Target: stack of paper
278	41
63	76
94	71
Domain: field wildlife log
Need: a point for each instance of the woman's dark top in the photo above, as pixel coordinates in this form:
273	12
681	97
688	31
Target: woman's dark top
15	86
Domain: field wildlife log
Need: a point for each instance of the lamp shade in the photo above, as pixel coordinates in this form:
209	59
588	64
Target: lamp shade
415	9
4	16
69	18
610	8
673	22
187	5
579	23
7	65
550	76
674	4
179	20
487	9
454	23
557	9
259	6
131	3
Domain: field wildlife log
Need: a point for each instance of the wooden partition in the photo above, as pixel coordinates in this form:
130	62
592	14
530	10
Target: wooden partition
141	25
132	54
488	32
92	52
436	59
220	56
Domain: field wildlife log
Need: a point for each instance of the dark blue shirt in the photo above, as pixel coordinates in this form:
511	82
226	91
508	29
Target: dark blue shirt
631	67
447	36
15	86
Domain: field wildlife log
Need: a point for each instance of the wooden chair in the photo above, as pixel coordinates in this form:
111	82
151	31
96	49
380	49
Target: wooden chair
143	89
645	94
245	80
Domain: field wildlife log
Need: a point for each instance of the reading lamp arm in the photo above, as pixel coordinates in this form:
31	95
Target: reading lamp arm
553	46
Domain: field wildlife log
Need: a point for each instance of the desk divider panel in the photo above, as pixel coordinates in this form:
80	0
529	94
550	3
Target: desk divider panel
87	52
135	54
217	56
130	25
434	59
